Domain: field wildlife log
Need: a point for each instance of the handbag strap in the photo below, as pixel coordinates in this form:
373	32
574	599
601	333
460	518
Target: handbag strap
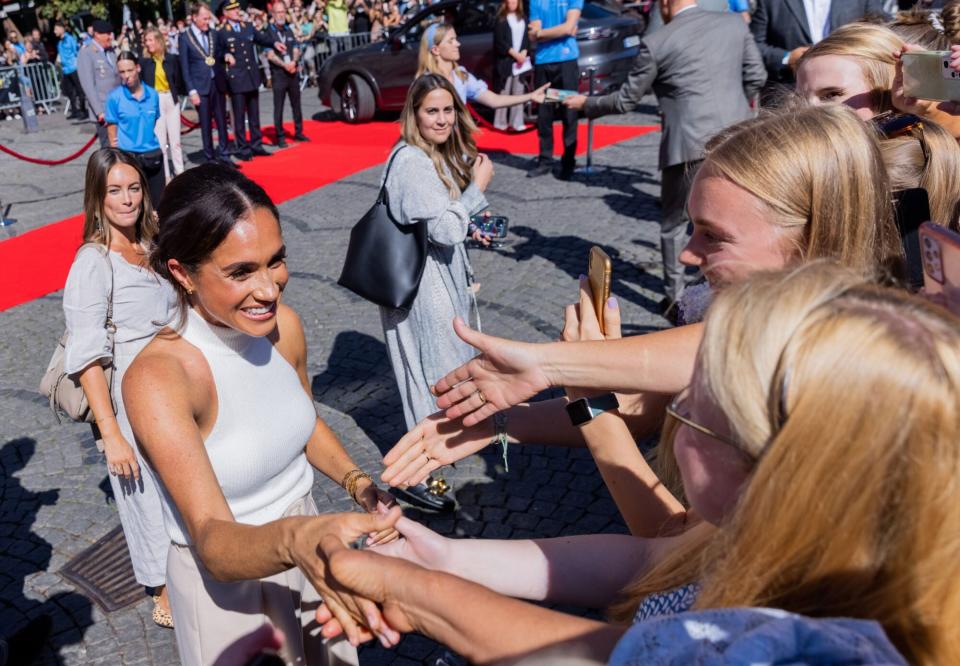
108	323
386	174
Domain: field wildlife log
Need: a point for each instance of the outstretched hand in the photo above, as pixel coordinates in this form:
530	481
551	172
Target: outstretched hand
434	442
505	374
353	612
372	576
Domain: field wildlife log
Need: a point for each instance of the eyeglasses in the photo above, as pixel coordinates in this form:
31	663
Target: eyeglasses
678	410
892	125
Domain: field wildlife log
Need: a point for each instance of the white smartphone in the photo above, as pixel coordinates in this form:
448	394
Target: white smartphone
940	254
928	75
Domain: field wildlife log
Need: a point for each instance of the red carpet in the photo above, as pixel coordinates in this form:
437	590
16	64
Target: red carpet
37	263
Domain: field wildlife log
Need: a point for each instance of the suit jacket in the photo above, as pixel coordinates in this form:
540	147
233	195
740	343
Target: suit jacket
197	75
244	75
704	68
779	26
171	68
502	43
97	70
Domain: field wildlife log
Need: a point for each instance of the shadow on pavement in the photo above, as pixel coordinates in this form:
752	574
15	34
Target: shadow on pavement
34	630
569	253
359	382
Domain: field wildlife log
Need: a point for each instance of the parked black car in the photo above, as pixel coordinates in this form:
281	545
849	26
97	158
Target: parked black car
360	82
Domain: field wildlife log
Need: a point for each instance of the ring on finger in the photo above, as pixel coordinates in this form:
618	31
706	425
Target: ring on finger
483	398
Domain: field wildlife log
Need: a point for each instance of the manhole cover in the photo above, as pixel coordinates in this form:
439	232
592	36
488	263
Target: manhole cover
103	571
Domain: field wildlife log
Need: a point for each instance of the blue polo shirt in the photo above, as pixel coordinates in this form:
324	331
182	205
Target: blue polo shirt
135	118
552	13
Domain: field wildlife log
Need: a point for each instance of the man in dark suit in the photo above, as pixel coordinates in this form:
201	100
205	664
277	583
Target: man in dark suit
784	29
704	68
204	81
235	44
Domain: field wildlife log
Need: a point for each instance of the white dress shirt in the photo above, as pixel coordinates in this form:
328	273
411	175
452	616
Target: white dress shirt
818	18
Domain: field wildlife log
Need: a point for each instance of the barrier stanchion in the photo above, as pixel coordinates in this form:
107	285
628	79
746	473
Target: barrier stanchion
588	170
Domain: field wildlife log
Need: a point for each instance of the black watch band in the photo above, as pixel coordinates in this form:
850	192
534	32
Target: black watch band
585	410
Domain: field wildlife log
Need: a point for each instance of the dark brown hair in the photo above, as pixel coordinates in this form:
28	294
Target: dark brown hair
199	208
96	229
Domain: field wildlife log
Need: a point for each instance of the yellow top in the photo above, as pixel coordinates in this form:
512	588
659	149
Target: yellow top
160	83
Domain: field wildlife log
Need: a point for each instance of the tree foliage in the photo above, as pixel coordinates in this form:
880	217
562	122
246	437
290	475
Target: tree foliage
103	9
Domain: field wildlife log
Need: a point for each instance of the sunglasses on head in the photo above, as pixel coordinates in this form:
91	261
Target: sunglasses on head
892	125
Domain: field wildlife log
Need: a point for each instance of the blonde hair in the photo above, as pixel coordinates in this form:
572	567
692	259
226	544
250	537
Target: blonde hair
847	393
872	46
819	171
96	227
453	159
157	35
936	171
427	62
935	30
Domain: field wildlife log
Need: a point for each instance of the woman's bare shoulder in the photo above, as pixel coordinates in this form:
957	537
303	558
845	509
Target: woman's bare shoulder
167	362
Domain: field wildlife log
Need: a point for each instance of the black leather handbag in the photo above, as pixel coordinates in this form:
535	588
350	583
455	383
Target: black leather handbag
385	259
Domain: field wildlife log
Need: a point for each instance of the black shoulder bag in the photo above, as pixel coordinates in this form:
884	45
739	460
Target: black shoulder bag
385	259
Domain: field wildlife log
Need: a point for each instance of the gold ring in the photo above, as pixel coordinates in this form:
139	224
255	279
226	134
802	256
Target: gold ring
483	398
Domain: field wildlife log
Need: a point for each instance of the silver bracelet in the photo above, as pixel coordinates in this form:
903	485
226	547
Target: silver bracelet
500	436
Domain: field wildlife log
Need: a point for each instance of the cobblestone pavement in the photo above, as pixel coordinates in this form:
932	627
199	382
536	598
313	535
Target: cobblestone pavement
54	499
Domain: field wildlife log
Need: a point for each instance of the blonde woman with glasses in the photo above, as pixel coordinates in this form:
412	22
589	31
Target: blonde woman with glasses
817	446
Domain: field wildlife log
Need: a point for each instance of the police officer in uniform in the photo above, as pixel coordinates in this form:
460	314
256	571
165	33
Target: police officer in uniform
283	71
235	43
97	69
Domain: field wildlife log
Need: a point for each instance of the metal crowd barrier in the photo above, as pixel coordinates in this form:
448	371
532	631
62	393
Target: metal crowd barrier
42	79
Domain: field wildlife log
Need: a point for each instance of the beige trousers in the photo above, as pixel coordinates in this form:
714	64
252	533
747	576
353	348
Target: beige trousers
209	615
167	130
512	86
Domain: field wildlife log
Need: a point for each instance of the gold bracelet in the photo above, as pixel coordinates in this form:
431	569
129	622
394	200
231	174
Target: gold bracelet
348	475
352	480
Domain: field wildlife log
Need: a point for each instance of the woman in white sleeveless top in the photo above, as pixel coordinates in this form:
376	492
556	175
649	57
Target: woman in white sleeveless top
222	409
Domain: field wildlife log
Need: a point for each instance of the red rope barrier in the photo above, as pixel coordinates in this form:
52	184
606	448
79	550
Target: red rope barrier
487	126
34	160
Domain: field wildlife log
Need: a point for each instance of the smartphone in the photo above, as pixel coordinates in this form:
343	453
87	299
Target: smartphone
940	251
492	226
928	75
911	209
557	95
600	271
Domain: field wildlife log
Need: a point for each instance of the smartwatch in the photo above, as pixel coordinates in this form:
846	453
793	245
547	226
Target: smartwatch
585	410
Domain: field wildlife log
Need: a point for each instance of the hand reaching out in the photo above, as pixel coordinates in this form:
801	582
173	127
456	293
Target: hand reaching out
434	442
352	611
540	94
505	374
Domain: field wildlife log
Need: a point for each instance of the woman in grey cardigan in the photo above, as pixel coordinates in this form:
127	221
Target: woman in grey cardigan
438	177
